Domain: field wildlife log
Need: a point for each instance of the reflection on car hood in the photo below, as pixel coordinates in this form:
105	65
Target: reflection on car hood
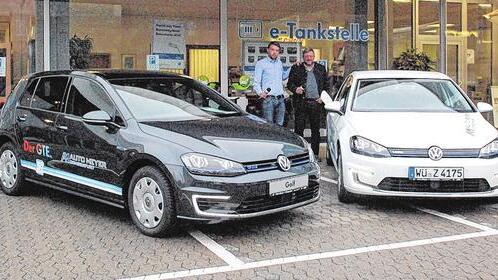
238	138
422	130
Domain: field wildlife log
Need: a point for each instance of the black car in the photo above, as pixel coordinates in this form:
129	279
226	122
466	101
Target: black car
163	145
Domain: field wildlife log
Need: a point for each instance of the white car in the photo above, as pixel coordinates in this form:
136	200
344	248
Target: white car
410	134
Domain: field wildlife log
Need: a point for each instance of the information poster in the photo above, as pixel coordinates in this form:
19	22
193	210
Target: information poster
168	42
3	66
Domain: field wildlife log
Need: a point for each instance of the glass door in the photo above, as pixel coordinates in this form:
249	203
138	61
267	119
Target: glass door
5	79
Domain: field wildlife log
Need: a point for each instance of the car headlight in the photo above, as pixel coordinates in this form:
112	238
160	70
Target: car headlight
201	164
490	150
363	146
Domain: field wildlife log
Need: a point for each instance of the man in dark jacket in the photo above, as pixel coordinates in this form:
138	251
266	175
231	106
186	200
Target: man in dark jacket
306	81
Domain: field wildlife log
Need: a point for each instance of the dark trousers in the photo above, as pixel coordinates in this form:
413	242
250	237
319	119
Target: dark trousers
311	110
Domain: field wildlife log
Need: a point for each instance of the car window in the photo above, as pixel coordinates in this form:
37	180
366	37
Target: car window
49	93
342	97
410	95
86	96
172	99
26	96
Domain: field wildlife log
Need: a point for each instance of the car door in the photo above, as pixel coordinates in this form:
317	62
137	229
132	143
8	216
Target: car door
37	112
335	120
89	158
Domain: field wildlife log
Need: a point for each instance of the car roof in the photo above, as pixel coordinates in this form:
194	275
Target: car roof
398	74
111	74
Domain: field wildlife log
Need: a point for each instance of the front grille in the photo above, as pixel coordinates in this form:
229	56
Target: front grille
406	185
272	164
258	203
423	153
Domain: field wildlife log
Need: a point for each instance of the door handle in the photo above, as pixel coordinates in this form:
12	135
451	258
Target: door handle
61	127
22	117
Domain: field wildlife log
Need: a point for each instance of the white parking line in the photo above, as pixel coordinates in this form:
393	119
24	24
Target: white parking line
454	219
318	256
216	248
328	180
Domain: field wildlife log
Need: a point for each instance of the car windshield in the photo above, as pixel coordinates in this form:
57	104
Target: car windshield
169	99
409	95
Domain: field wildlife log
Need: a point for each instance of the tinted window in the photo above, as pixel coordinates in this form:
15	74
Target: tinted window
87	96
343	94
49	93
168	99
26	97
410	95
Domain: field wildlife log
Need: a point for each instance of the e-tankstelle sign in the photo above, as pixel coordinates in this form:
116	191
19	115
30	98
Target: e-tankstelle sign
168	42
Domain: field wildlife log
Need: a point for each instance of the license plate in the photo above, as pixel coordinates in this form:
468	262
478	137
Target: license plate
288	185
435	173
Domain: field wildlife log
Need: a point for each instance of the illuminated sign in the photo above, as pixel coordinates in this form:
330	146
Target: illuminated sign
354	33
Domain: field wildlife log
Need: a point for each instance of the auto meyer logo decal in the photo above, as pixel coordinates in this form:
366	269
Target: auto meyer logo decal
39	149
435	153
83	161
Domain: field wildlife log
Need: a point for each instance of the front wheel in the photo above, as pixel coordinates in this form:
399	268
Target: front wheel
11	177
343	195
151	202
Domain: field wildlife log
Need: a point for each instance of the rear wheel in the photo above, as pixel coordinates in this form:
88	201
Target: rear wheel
11	177
151	202
343	195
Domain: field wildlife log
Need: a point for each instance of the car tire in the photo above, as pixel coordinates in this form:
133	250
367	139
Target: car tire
11	176
151	202
343	195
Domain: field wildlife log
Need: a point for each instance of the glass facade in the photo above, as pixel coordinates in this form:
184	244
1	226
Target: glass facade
185	36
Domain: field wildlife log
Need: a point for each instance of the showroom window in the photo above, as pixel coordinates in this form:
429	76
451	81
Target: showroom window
184	36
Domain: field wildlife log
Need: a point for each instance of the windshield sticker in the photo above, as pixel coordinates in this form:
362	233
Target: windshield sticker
39	149
83	161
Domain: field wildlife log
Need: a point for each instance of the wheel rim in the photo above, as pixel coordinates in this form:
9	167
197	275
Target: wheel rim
8	169
148	202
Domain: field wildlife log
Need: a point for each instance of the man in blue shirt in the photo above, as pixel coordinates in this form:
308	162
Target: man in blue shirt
268	77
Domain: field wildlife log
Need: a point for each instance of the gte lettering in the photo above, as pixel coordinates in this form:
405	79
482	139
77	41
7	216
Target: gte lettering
35	148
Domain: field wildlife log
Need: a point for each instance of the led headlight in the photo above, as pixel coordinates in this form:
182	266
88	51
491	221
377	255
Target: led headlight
363	146
201	164
490	150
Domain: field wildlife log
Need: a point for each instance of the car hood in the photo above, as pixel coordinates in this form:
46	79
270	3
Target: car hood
242	139
422	130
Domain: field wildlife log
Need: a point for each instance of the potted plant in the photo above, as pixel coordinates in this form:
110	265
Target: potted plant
412	59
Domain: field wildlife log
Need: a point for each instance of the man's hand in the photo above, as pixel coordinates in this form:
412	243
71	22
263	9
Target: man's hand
319	100
263	95
299	90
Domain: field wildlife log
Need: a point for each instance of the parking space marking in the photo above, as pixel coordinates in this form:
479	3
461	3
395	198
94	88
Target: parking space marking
216	248
317	256
328	180
454	219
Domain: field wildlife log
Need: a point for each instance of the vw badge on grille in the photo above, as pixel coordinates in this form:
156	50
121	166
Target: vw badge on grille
283	162
435	153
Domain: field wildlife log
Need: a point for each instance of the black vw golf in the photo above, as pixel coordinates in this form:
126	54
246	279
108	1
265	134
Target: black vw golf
163	145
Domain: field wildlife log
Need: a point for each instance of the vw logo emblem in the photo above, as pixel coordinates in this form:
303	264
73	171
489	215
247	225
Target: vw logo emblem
283	162
435	153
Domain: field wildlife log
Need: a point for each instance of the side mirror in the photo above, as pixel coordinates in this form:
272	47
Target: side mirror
484	107
334	107
97	118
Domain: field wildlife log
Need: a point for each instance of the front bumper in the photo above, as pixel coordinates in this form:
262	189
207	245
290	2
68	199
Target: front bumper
215	199
368	176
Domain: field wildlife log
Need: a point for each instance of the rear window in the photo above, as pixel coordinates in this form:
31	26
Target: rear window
49	93
28	93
